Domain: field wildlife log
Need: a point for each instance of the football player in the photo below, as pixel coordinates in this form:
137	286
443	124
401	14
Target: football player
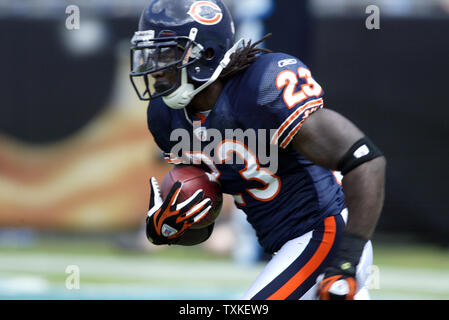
317	227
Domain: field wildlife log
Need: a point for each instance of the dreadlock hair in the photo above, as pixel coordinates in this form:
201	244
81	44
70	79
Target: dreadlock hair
244	57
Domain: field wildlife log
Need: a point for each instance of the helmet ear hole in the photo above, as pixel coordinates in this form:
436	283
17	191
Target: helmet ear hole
209	53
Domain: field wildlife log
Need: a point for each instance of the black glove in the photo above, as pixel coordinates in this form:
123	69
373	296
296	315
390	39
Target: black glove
339	281
167	220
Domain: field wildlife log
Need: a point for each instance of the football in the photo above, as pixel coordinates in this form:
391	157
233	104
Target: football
192	179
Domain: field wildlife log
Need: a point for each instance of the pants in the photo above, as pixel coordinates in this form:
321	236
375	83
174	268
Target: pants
294	271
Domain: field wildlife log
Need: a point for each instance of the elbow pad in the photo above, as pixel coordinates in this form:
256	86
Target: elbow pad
360	152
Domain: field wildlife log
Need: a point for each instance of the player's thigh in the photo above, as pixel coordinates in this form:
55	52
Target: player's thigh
295	267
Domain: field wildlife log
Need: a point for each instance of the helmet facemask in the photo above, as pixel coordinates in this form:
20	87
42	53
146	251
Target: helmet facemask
152	56
203	31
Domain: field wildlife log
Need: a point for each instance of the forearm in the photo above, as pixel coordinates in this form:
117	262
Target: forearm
190	238
194	236
364	189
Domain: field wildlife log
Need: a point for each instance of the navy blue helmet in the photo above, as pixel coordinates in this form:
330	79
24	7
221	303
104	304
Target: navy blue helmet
188	38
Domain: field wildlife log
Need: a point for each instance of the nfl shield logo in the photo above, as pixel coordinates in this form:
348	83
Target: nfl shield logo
168	231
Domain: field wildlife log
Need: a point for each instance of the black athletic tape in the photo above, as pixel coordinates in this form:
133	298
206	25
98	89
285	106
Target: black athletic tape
360	152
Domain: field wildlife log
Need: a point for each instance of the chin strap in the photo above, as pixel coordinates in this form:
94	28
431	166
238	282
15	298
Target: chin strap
182	96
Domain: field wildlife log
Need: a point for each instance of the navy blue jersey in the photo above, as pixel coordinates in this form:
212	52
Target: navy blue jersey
245	142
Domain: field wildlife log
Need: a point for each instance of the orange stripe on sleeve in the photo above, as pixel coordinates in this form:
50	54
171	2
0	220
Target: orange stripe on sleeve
298	126
293	117
316	260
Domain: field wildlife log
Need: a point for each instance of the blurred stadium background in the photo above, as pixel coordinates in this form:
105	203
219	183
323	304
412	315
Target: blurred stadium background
76	156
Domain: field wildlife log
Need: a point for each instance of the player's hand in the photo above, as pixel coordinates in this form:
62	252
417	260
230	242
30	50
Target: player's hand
339	282
167	220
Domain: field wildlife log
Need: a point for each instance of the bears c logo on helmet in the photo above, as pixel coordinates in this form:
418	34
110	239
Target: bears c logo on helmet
205	12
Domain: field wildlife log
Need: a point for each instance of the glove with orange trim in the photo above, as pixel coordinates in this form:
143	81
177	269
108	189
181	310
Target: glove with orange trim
166	220
339	282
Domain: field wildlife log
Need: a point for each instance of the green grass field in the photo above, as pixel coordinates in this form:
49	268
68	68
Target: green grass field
107	272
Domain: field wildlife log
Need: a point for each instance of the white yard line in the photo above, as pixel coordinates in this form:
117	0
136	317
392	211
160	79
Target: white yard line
179	279
128	267
416	279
